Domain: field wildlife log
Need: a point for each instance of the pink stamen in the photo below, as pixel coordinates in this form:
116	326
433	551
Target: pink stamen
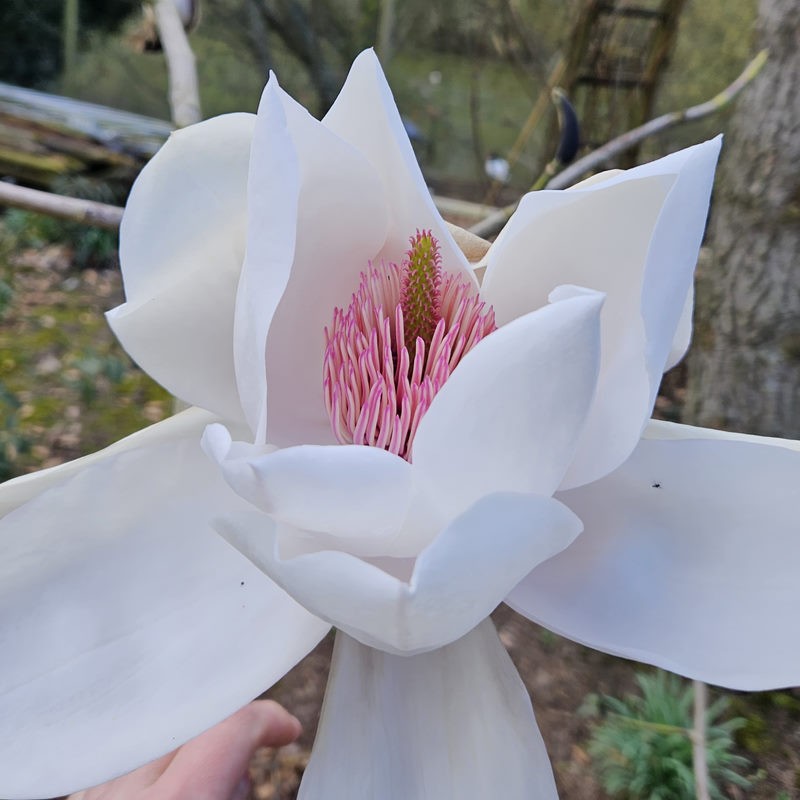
380	375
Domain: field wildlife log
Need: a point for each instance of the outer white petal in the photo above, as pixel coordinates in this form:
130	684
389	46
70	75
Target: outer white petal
181	251
127	625
683	332
674	248
509	417
187	424
659	429
453	724
348	491
689	561
455	583
634	236
365	115
316	216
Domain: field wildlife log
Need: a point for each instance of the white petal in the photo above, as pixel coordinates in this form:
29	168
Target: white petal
674	248
634	236
127	625
181	251
659	429
683	332
317	215
509	417
453	724
455	583
347	491
365	115
689	561
187	424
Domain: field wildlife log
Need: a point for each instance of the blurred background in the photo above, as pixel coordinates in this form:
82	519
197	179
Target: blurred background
473	81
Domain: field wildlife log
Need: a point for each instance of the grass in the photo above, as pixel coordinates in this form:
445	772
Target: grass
66	386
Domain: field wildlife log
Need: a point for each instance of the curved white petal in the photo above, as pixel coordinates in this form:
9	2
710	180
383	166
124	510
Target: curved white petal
455	583
689	561
634	236
509	417
673	250
365	115
187	424
453	724
659	429
316	216
348	491
683	332
127	625
181	250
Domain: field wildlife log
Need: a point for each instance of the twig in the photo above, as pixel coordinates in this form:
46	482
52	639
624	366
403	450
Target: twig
102	215
537	112
493	223
699	760
87	212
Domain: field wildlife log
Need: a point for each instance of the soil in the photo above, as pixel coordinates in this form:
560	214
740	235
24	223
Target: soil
60	404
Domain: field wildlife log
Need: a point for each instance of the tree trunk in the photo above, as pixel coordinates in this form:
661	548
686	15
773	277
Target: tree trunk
744	367
69	26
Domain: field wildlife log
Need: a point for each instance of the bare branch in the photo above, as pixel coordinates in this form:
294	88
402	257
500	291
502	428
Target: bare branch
87	212
493	223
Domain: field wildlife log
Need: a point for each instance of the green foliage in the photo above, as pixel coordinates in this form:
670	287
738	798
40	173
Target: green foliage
6	295
31	34
92	247
642	749
91	370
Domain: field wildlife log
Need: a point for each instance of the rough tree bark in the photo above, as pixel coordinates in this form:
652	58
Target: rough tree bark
744	366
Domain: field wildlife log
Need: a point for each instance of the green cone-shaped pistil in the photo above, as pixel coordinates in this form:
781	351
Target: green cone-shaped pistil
421	294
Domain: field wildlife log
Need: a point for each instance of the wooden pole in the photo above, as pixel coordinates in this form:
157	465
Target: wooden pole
385	44
699	756
184	95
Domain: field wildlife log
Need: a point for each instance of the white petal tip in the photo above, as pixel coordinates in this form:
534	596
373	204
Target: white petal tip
569	291
216	442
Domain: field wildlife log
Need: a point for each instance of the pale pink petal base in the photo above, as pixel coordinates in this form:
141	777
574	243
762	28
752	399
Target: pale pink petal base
499	539
453	724
365	115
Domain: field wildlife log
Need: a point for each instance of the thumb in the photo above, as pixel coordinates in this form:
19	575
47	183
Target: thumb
212	765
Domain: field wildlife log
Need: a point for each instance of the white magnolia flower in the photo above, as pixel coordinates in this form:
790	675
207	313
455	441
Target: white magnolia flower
128	624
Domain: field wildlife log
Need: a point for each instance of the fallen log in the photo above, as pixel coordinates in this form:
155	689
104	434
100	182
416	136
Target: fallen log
45	136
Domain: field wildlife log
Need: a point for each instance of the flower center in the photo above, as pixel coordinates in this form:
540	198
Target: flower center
389	353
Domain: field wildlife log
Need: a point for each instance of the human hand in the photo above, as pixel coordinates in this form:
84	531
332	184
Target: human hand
212	766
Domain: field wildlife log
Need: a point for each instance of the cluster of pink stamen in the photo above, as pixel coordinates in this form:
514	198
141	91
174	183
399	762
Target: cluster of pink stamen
378	377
